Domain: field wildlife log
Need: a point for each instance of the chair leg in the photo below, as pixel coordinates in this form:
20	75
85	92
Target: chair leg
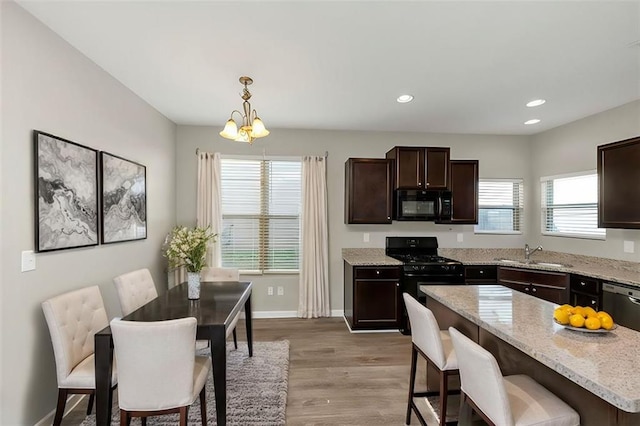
203	405
235	338
184	413
143	420
412	382
90	404
444	389
62	401
124	418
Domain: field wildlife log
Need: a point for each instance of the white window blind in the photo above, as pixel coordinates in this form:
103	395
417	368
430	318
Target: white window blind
570	206
261	202
500	206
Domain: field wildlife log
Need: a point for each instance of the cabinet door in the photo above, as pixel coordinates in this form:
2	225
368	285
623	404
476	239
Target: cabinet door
437	168
552	294
618	189
368	193
409	167
464	191
376	303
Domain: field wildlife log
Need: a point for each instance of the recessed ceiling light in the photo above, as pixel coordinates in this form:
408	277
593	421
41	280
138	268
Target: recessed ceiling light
403	99
533	121
536	103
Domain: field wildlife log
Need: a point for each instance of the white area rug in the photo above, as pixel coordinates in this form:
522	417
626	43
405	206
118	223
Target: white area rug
256	389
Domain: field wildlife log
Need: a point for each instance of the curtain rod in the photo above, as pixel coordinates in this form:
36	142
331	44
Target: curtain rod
264	152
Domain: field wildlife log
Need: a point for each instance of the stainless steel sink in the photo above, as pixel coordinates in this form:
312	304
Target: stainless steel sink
552	265
534	262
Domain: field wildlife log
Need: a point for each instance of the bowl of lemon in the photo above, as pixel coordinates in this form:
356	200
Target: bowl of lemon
584	319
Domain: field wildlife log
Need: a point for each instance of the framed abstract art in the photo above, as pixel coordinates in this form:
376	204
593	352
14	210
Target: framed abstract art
123	193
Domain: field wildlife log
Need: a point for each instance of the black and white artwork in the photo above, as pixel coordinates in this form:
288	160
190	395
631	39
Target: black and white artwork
124	199
66	193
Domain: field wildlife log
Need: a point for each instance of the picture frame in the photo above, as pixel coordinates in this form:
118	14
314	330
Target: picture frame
65	193
123	195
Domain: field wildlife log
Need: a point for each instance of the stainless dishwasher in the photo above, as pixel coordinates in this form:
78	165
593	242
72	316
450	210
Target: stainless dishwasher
622	303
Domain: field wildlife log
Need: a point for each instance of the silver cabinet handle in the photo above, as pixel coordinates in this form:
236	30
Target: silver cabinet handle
481	272
397	284
377	272
534	290
582	283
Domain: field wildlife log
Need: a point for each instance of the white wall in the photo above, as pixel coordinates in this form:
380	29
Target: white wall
500	156
573	148
48	85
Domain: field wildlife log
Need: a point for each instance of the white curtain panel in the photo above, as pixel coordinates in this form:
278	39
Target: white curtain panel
314	259
209	201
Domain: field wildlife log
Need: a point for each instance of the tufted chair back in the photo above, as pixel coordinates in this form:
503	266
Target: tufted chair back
219	274
73	319
135	289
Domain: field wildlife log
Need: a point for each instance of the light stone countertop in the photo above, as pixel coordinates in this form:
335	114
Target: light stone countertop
604	364
596	267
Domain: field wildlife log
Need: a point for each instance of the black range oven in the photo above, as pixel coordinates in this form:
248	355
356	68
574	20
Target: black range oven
421	266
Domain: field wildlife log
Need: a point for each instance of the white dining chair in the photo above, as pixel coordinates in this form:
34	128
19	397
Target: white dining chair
135	289
73	319
515	400
211	273
435	347
158	370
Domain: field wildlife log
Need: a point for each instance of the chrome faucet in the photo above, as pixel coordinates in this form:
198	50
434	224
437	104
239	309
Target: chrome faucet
528	252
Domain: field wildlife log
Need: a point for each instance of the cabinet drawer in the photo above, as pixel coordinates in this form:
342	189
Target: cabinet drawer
585	285
377	272
481	272
547	279
578	299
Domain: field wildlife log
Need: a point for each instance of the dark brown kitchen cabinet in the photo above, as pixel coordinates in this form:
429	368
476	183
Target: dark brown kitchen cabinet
551	286
464	191
480	274
618	189
368	192
585	291
420	167
372	297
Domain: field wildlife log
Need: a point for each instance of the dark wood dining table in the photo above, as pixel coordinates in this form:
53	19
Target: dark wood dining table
218	304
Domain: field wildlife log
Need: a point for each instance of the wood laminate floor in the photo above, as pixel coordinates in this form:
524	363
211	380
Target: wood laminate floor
335	377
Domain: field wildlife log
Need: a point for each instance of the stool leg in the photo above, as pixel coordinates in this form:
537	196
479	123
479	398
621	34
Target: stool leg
464	415
62	401
412	382
444	389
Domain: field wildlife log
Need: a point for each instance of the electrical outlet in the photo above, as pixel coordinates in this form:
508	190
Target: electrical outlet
28	261
269	291
629	247
460	237
280	290
365	237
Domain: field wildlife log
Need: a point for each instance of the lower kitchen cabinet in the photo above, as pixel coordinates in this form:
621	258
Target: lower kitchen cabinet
372	297
586	291
551	286
480	274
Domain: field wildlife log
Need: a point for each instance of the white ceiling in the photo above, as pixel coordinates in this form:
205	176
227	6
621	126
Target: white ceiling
471	66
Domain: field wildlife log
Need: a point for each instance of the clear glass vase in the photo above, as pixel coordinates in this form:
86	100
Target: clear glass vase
193	280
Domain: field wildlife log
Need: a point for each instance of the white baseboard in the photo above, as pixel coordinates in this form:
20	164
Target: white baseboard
393	330
72	402
288	314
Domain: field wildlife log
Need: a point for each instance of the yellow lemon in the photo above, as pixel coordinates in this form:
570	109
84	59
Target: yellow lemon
606	322
603	314
576	320
561	315
590	312
578	310
592	323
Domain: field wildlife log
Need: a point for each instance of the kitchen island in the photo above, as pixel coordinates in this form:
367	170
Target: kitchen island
597	374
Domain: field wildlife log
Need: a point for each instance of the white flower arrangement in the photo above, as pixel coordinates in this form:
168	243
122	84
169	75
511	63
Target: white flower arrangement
188	246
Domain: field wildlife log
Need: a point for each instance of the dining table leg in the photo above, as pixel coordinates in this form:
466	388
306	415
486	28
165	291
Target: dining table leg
103	361
219	358
247	314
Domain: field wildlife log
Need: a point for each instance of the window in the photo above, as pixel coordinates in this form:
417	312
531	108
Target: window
261	214
570	206
500	206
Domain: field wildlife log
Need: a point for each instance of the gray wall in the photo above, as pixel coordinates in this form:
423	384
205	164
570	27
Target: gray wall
573	148
48	85
500	156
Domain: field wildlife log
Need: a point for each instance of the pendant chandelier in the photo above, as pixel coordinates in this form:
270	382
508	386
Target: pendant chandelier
252	127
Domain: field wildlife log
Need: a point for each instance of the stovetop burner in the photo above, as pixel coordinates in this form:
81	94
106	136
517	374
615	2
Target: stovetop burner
424	259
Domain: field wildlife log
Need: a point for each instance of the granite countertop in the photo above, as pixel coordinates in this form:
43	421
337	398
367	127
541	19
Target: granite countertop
605	364
596	267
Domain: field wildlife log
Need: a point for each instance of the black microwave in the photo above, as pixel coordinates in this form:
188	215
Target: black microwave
432	206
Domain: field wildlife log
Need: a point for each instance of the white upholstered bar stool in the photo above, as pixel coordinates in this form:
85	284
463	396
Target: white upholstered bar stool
516	400
210	273
436	348
154	380
135	289
73	319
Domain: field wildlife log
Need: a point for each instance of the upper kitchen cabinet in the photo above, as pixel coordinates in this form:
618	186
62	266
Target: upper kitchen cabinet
618	188
368	192
464	191
420	167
